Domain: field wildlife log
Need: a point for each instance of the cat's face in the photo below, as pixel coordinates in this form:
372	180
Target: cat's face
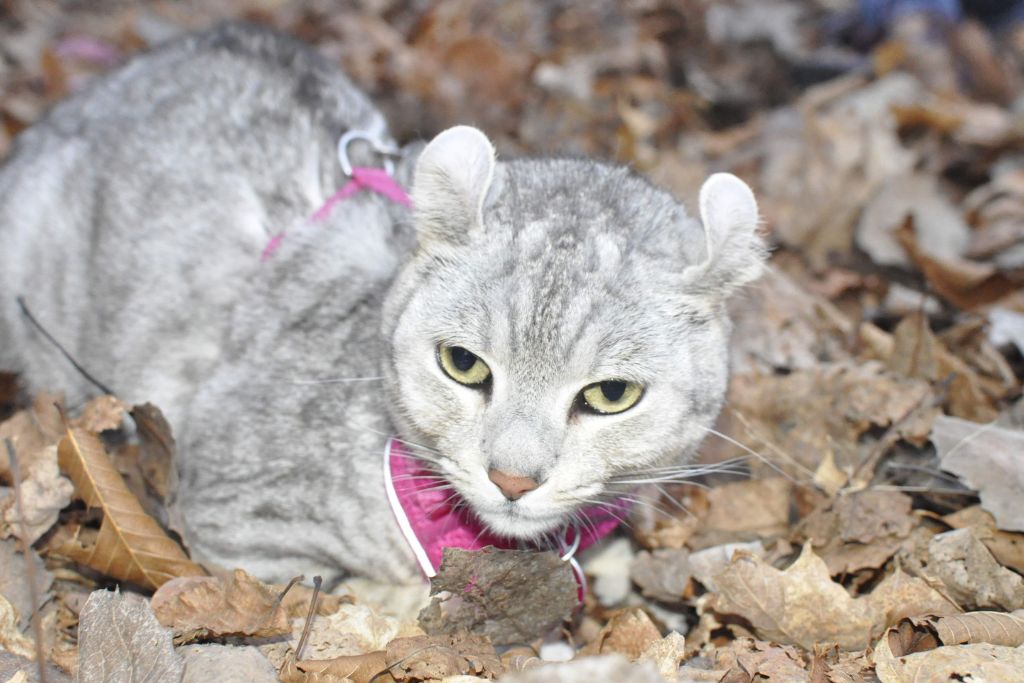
561	330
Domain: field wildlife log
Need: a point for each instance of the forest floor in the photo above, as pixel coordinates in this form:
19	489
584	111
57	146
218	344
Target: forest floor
869	521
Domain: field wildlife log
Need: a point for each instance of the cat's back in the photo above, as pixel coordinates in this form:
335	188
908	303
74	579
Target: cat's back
134	212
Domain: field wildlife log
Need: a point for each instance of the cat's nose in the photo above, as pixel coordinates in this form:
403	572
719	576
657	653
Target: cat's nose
512	486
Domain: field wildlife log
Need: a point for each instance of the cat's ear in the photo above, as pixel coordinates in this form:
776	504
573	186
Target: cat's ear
453	175
734	252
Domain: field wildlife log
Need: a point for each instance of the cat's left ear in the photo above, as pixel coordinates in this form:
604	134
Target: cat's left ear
453	174
734	252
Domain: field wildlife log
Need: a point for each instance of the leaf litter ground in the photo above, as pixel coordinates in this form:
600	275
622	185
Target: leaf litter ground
859	517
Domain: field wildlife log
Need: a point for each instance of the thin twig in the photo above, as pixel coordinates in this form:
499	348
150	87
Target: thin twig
42	330
317	582
30	570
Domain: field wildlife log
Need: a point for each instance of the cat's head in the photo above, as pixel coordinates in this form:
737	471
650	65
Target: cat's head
561	329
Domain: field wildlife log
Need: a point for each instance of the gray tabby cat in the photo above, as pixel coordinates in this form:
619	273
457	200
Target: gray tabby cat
539	329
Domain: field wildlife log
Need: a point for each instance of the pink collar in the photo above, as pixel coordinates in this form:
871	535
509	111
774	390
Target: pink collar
430	524
375	180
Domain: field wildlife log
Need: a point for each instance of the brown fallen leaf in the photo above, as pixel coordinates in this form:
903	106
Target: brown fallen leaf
919	634
199	607
803	606
629	632
775	417
662	574
744	511
859	529
511	596
355	668
44	493
31	430
101	414
746	660
130	546
422	658
981	661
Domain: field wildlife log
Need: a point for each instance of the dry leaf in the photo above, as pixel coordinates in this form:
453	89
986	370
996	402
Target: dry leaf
44	493
662	574
745	510
804	607
1007	547
981	662
775	417
31	431
431	657
344	669
746	660
666	654
198	607
120	640
925	633
971	575
101	414
990	460
511	596
860	529
130	545
629	632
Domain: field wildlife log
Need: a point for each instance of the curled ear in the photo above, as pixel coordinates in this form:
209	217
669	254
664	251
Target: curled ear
453	175
734	253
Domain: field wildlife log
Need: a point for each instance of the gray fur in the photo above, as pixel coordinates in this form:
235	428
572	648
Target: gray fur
133	217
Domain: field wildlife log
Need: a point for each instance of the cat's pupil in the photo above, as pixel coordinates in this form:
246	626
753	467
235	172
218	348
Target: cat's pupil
613	391
462	359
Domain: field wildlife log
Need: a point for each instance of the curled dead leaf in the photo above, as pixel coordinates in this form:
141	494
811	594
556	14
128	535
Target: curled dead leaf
130	545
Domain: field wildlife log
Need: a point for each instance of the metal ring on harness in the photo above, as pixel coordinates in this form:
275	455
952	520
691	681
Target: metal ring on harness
385	151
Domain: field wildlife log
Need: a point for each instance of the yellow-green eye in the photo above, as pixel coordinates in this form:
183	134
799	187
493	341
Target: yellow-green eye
612	396
462	366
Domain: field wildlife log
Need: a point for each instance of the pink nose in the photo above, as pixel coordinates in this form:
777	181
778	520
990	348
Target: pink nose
511	486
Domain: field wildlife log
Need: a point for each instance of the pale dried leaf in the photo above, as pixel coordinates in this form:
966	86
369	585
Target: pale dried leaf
589	670
989	459
44	493
130	545
101	414
431	657
981	662
666	654
204	607
995	628
971	575
119	639
629	632
804	607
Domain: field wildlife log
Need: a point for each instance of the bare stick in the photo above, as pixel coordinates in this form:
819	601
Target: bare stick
49	337
317	582
30	569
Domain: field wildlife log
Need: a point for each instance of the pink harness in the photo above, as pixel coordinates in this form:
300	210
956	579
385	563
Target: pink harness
426	515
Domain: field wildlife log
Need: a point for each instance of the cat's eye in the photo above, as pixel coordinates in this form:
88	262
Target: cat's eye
463	366
611	396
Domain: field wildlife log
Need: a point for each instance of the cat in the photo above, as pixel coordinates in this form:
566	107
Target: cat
541	332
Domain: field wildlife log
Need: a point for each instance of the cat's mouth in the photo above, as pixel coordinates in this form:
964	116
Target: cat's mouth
512	521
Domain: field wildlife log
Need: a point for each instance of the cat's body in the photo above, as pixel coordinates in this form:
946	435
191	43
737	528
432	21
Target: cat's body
134	216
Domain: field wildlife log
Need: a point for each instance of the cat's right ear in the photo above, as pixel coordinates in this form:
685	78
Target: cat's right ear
453	175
